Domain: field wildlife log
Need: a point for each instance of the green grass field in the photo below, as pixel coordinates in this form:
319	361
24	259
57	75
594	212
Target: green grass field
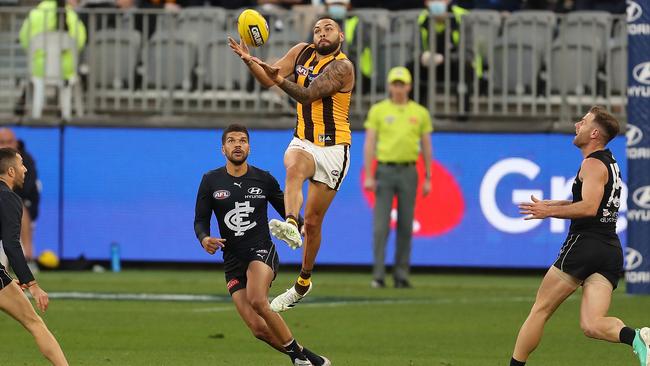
446	320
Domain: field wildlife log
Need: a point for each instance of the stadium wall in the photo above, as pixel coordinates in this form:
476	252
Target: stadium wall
137	187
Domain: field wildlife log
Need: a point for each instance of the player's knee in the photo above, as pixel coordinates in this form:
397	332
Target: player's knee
33	323
589	329
259	304
312	224
542	310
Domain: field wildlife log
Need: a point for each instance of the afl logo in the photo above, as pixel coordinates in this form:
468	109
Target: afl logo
301	70
254	190
641	73
641	197
221	194
634	11
634	135
633	259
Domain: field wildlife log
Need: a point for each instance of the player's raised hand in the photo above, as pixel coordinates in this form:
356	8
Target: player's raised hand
40	296
272	72
211	244
241	49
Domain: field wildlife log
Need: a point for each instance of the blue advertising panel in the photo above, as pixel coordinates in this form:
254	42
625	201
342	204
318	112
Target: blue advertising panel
638	151
137	187
43	145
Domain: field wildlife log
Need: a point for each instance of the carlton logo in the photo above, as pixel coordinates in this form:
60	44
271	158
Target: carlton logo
221	194
641	197
634	11
633	259
634	135
641	73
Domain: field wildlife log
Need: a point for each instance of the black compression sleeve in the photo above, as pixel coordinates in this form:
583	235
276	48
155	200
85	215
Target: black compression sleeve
202	211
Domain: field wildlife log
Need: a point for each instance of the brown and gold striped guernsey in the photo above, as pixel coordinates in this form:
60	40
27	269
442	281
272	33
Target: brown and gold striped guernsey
325	122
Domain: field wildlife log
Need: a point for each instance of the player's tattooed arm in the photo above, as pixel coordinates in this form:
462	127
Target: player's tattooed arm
326	84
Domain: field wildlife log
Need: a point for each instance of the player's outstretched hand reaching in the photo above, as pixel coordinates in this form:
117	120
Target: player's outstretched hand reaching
211	245
241	49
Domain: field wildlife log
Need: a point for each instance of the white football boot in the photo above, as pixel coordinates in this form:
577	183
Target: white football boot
288	299
286	232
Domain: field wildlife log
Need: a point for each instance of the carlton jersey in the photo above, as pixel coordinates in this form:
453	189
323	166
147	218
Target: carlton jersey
604	223
240	205
325	122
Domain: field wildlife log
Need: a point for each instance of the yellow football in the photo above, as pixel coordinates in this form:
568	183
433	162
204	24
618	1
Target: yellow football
48	259
253	28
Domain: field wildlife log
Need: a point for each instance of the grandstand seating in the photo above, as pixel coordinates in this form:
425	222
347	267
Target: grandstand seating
528	59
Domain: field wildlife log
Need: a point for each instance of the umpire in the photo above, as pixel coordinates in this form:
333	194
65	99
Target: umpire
396	130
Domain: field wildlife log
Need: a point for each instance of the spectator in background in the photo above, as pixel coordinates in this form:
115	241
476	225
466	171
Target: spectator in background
396	130
444	13
354	28
29	193
53	15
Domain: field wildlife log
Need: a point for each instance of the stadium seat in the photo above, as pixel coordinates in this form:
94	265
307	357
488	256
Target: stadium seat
578	53
526	39
617	73
13	67
169	60
223	70
114	56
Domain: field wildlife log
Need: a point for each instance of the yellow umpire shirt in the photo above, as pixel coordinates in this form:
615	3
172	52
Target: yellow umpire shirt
399	129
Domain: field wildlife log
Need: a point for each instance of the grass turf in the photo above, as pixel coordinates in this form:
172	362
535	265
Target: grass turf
446	320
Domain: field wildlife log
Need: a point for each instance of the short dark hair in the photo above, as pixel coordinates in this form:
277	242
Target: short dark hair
7	159
235	127
323	17
608	123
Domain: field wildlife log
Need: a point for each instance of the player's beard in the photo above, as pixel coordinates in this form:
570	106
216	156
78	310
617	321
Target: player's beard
328	48
238	161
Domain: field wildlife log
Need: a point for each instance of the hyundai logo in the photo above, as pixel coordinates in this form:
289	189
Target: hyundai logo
633	259
634	11
641	73
641	197
254	190
634	135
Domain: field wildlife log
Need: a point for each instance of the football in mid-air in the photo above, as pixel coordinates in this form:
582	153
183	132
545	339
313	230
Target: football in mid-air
253	28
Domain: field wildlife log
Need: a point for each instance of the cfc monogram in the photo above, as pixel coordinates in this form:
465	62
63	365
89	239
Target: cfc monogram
237	218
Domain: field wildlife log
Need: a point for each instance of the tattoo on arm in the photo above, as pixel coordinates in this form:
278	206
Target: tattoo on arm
326	84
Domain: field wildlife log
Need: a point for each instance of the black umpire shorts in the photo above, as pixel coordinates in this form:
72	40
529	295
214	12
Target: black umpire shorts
582	255
236	263
5	279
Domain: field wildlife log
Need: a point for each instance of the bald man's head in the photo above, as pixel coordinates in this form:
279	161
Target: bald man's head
8	138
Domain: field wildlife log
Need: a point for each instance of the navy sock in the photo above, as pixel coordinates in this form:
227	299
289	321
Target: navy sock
514	362
627	335
312	357
294	352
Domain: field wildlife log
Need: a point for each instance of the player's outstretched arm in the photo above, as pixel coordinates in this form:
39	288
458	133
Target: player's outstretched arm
338	75
284	65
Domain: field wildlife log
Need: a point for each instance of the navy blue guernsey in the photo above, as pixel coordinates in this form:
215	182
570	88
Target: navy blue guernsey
240	205
603	225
